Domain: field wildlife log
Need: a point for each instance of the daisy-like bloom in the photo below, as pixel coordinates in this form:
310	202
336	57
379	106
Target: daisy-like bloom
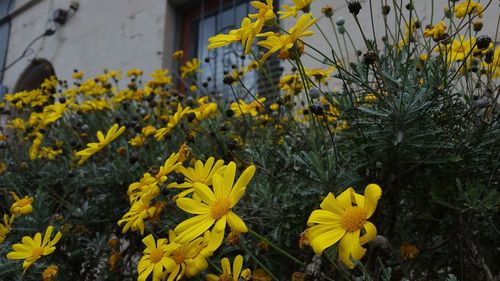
190	67
172	163
285	42
291	11
436	32
94	147
50	273
148	131
147	186
155	259
468	7
49	153
178	55
343	219
134	72
245	34
190	257
139	211
264	15
201	173
22	206
160	78
5	227
78	74
227	274
172	122
252	108
138	140
31	249
215	206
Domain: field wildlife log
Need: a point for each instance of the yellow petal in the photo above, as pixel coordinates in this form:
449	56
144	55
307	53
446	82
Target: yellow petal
372	195
226	266
326	239
236	222
204	192
323	217
371	232
237	265
331	204
349	246
192	206
220	225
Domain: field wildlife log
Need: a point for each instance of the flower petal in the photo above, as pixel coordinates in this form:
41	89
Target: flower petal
323	217
349	246
204	192
372	195
237	265
324	240
236	223
192	206
371	232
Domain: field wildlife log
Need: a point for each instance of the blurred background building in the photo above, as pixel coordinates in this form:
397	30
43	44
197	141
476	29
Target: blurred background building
40	38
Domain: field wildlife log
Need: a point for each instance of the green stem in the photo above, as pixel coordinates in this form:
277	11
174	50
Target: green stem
258	262
276	247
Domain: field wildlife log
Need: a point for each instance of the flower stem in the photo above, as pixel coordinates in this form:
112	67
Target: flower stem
276	247
258	262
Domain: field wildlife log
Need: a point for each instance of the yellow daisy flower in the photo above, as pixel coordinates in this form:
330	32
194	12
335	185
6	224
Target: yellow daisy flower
436	32
172	163
291	11
147	186
155	259
139	211
215	206
342	219
252	108
31	249
264	15
235	274
134	72
95	147
178	55
468	7
201	173
246	33
190	67
172	122
138	140
50	273
190	257
22	206
5	227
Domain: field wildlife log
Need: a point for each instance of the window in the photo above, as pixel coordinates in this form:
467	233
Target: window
208	18
34	75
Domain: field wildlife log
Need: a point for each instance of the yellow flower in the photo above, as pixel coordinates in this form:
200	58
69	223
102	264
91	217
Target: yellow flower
148	130
22	206
264	15
168	167
183	153
155	259
408	251
468	7
31	249
138	140
94	147
77	75
113	260
190	67
147	186
160	78
5	227
342	219
436	32
50	273
172	122
49	153
139	211
246	33
134	72
190	257
227	274
261	275
252	108
178	55
299	5
201	173
215	206
285	42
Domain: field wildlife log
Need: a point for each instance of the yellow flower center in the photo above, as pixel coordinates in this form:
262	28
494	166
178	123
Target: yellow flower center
156	255
353	219
179	256
37	252
220	208
23	202
225	277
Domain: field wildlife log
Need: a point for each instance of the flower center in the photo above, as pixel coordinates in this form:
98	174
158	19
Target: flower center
353	219
156	255
37	252
226	277
179	256
220	208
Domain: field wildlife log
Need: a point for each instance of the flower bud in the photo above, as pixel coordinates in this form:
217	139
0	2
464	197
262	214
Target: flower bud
354	7
340	21
483	42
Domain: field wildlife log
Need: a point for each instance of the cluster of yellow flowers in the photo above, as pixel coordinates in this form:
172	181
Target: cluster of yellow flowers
209	192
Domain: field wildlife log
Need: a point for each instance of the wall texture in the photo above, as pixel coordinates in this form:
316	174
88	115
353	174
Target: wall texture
113	34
